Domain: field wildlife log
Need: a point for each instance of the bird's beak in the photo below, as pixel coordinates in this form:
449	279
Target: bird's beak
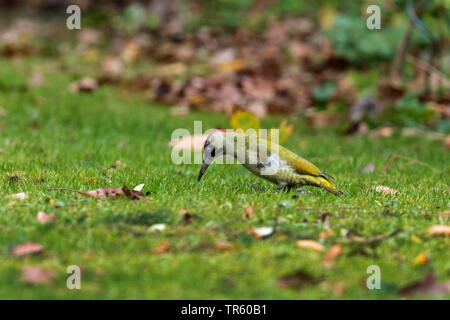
205	166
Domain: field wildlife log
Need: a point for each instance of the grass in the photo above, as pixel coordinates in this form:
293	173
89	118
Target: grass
54	138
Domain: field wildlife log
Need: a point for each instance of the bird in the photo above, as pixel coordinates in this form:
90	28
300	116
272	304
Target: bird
265	159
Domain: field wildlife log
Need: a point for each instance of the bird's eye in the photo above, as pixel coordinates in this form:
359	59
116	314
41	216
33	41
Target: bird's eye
213	152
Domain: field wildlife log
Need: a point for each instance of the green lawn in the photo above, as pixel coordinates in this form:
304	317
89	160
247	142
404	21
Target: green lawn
52	138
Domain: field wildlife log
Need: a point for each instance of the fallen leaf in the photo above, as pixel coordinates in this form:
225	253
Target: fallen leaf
297	280
310	245
86	84
369	168
43	218
421	259
385	190
171	69
162	248
248	213
112	193
26	249
332	254
232	65
262	232
439	230
383	132
426	286
325	234
36	275
225	246
131	52
20	196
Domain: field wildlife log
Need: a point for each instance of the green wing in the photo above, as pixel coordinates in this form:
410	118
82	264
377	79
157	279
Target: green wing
300	165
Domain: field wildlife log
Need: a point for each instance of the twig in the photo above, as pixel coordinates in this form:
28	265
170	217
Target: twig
392	157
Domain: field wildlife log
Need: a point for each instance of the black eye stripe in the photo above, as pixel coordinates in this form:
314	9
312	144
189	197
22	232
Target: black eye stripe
213	152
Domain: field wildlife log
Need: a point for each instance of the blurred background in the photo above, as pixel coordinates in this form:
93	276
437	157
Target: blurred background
313	59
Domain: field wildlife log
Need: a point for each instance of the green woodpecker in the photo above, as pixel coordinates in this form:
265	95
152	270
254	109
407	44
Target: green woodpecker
265	159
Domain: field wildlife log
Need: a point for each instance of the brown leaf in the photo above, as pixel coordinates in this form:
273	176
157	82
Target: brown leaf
383	132
248	213
86	84
43	218
439	230
36	275
112	193
162	248
385	190
225	246
332	254
297	280
310	245
26	249
426	286
322	119
133	194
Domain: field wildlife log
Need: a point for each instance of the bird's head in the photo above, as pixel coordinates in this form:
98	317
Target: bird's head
213	148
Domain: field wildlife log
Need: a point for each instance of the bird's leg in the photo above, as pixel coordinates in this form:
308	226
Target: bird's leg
281	185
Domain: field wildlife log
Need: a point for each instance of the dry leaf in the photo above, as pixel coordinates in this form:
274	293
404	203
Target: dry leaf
421	259
248	213
325	234
112	193
86	84
332	254
310	245
36	275
384	132
224	245
26	249
385	190
162	248
297	280
439	230
43	218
